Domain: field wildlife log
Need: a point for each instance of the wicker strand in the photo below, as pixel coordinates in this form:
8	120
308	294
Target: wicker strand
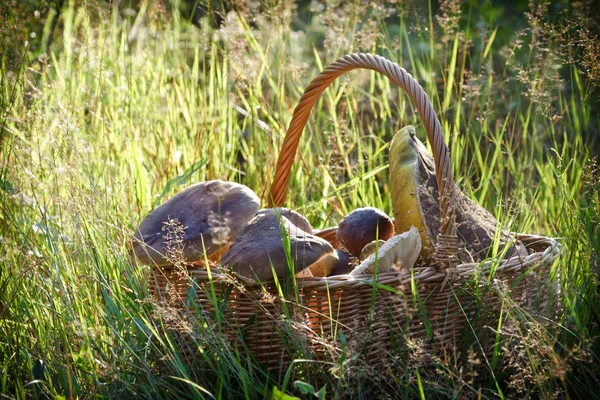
399	77
446	256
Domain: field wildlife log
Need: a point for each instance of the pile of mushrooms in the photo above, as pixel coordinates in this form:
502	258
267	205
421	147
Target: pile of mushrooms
368	243
221	223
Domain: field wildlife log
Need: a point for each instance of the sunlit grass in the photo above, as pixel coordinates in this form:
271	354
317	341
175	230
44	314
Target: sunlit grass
124	112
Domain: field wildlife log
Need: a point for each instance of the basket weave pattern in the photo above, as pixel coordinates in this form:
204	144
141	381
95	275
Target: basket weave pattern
374	321
375	314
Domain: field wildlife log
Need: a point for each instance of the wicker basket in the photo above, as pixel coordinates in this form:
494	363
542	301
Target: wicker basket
367	315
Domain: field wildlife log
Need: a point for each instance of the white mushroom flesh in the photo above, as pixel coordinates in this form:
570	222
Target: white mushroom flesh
399	252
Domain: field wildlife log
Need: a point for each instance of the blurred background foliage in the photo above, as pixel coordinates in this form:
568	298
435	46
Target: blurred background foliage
565	32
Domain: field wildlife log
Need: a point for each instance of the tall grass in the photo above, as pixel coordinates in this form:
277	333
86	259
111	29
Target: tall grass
127	107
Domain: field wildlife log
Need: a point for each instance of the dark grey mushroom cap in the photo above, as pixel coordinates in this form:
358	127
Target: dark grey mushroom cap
361	227
294	217
259	247
212	212
345	264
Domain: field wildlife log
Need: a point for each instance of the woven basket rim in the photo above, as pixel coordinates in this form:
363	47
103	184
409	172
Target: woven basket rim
552	249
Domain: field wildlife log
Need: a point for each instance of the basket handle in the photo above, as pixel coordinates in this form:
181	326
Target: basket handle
447	243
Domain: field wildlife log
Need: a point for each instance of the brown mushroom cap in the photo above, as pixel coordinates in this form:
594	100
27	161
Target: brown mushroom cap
361	227
259	246
415	201
211	212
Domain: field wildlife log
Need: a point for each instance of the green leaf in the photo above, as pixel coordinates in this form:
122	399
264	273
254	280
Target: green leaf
307	388
279	395
321	393
342	338
193	385
37	371
304	388
7	186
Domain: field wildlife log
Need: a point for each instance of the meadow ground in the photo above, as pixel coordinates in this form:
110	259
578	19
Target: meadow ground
108	109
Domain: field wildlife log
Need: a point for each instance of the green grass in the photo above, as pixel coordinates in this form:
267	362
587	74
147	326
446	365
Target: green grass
122	112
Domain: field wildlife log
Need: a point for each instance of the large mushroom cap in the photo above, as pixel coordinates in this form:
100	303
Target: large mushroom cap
209	213
259	247
293	216
415	201
361	227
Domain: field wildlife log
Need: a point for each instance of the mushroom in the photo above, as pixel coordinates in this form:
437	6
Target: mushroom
415	201
305	273
258	250
400	252
516	249
361	227
370	248
295	218
325	265
204	216
345	265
